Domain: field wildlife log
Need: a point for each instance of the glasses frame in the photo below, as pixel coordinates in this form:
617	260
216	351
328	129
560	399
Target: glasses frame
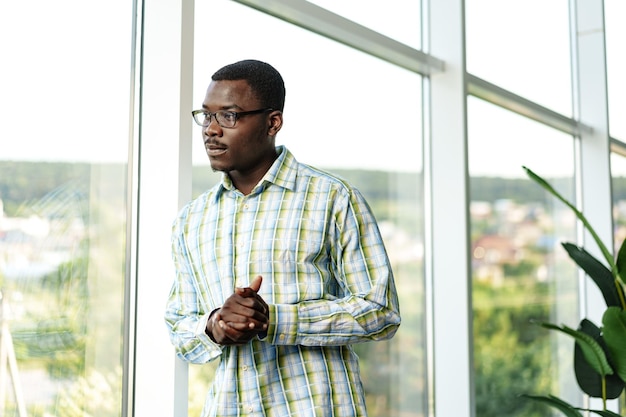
208	116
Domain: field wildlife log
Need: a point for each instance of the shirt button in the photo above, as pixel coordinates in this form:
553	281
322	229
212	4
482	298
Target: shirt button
249	408
282	337
245	207
245	367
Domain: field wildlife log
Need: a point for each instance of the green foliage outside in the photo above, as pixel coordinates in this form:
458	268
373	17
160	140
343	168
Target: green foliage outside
509	352
511	355
600	351
54	327
22	183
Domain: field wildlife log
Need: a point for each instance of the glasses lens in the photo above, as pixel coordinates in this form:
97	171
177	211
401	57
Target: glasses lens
226	118
199	117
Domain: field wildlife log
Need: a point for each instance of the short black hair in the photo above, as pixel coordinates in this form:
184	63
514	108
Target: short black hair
265	81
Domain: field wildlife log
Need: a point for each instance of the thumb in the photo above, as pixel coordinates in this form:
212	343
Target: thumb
256	283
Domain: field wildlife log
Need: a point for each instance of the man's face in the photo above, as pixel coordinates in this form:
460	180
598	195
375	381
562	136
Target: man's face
248	147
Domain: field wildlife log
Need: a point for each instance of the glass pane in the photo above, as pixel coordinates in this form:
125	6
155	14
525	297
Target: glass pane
618	183
63	218
522	46
396	19
615	14
520	272
337	118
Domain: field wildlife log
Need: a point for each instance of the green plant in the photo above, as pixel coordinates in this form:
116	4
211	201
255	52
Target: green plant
599	352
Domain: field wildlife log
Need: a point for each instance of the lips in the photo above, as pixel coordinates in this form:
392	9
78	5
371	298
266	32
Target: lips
215	150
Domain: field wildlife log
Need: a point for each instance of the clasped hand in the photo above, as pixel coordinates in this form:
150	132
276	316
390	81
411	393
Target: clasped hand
243	316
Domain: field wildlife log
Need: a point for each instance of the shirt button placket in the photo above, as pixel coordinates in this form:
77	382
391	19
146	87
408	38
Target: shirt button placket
239	242
247	406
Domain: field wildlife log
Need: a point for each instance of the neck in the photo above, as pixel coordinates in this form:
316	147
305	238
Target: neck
246	181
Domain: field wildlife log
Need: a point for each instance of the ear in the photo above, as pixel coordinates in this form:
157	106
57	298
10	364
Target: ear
275	122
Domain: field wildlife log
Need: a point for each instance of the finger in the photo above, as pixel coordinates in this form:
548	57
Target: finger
252	289
258	309
256	283
232	329
243	314
245	306
265	310
246	303
229	330
238	334
247	326
245	292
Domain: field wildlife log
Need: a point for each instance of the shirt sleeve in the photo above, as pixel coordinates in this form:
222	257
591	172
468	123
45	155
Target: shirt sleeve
369	308
185	317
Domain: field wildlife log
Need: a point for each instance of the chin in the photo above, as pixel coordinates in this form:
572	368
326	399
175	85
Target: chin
217	167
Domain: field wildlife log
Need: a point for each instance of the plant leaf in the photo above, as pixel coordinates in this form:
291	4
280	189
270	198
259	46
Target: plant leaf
614	333
599	273
592	351
579	214
603	413
589	381
620	262
557	403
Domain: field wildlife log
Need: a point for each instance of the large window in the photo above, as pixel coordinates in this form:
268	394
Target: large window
399	19
522	46
618	189
520	273
79	274
337	118
615	13
618	174
63	198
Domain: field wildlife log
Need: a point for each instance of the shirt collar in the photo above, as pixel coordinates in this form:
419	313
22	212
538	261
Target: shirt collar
282	173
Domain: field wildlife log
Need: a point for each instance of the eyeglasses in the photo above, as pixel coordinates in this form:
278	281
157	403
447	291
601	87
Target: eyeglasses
224	118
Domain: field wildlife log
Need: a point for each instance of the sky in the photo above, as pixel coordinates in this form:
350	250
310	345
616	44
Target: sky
67	84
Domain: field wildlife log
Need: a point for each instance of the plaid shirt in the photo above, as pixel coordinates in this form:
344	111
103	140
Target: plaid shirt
326	279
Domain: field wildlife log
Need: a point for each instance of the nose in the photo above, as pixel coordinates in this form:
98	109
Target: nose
213	128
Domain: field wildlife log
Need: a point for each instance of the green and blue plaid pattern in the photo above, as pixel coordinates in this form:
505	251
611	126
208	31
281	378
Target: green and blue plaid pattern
326	279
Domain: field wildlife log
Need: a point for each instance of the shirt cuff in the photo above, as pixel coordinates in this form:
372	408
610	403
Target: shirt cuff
201	326
283	328
200	330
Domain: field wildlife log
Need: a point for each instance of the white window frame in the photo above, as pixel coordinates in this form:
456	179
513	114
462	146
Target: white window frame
160	172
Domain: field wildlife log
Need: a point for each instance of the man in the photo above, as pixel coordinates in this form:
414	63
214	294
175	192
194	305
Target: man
279	268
